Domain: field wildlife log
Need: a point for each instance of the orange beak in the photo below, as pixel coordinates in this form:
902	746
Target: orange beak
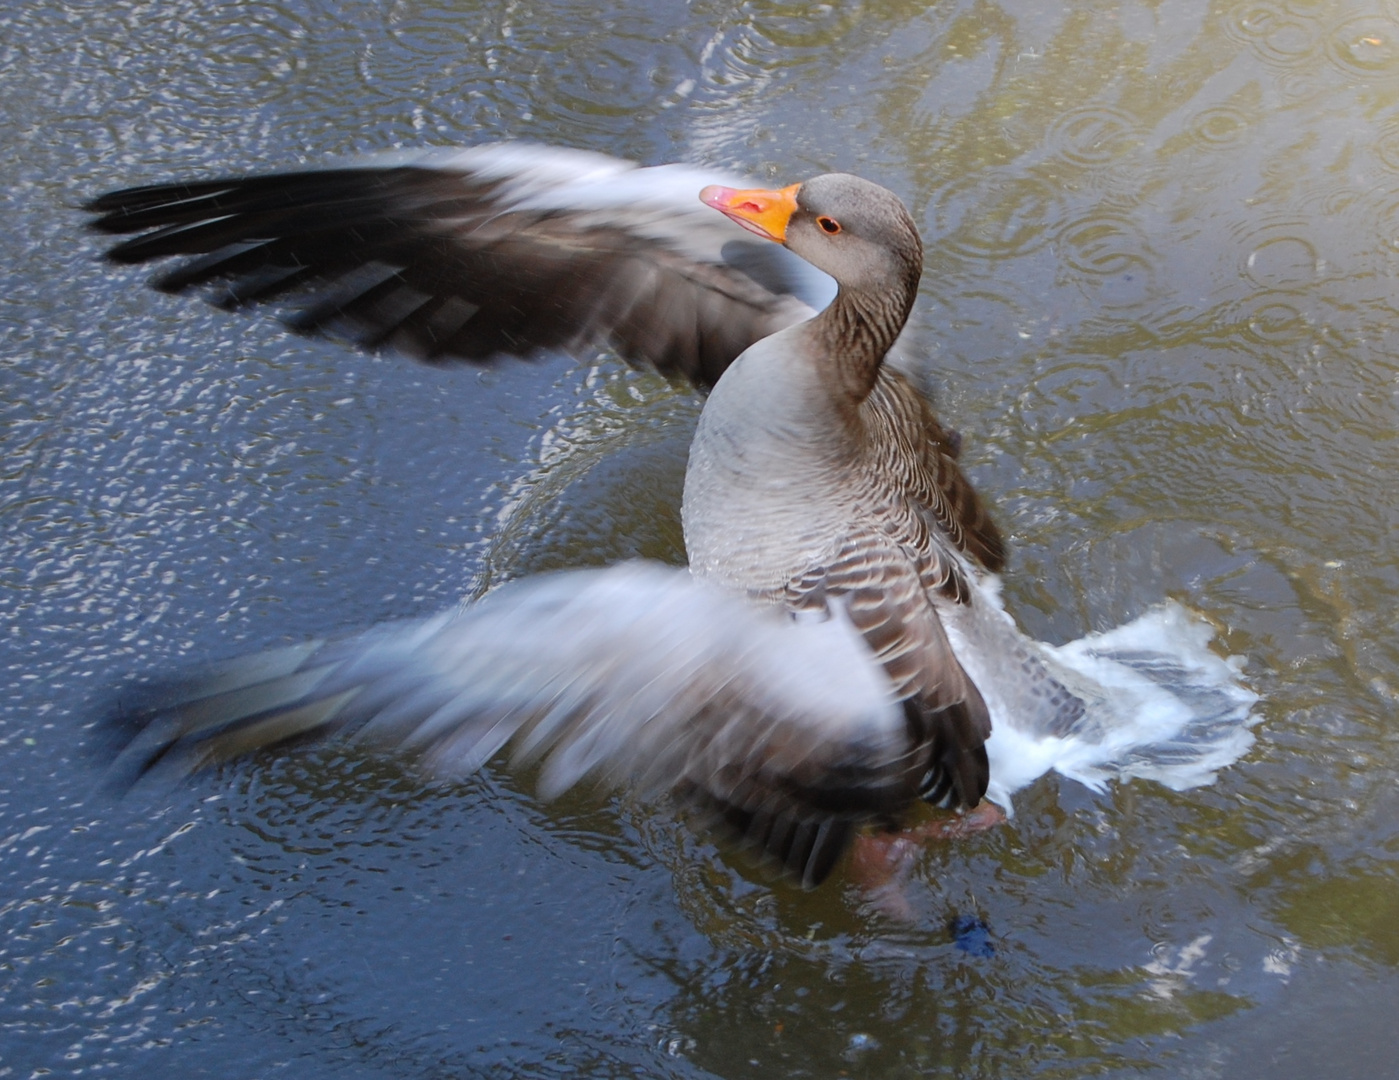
763	212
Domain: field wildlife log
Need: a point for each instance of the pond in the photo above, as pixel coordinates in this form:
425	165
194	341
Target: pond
1159	304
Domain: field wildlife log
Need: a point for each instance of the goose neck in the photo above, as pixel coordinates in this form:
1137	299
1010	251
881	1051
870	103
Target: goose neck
856	332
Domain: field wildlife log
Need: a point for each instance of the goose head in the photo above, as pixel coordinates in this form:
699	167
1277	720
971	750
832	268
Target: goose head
856	231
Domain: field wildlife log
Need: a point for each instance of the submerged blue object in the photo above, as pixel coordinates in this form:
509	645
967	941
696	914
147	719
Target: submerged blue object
971	935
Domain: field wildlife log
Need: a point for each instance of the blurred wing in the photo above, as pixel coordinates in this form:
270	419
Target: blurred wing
784	730
470	254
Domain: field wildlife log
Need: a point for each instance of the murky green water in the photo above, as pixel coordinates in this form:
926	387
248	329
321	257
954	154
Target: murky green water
1162	248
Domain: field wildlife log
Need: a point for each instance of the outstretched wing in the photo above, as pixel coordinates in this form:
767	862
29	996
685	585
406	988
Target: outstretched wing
470	254
786	731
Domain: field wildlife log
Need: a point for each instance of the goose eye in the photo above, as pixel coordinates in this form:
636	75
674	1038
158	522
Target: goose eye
829	225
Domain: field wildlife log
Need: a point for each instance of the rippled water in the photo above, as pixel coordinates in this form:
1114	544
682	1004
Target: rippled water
1162	247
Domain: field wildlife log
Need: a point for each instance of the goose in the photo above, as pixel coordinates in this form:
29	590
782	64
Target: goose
836	652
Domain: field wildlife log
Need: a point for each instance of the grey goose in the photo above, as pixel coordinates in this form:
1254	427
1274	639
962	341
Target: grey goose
836	651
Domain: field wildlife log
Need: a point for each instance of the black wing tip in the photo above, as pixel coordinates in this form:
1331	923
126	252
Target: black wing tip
111	224
111	204
121	743
117	207
802	849
993	552
127	253
179	724
957	781
958	771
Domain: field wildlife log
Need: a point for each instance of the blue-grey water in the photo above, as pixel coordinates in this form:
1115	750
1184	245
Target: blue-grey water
1160	300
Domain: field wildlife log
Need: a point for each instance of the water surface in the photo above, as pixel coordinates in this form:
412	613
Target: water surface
1159	300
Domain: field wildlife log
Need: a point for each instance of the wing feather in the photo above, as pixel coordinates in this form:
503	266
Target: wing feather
879	586
495	250
922	456
784	731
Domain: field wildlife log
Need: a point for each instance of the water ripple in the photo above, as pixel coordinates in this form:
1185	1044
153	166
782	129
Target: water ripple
1278	253
1094	135
256	56
1268	317
1367	45
1276	36
1108	251
438	33
996	215
1386	145
1219	126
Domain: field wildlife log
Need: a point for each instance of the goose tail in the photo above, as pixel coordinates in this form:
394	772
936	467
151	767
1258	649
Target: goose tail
1149	699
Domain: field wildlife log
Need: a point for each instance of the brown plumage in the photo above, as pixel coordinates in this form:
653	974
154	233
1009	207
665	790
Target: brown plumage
820	482
819	478
468	255
926	456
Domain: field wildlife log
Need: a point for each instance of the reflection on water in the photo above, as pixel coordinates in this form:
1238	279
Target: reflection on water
607	485
1159	300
